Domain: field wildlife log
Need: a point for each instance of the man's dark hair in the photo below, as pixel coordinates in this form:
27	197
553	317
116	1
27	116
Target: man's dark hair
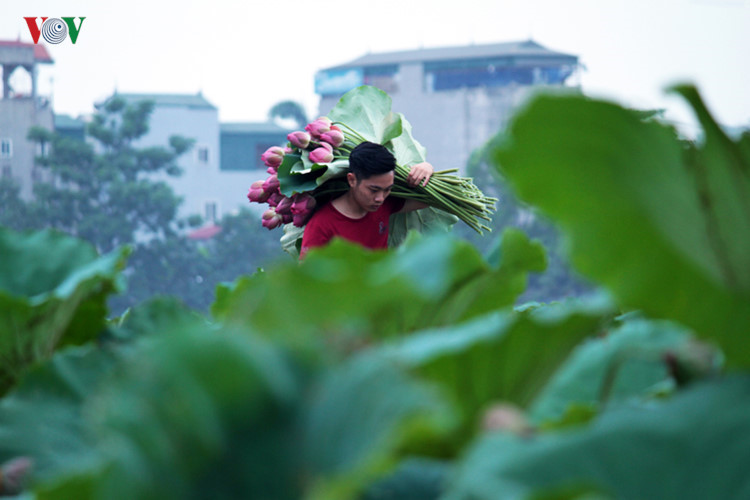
368	159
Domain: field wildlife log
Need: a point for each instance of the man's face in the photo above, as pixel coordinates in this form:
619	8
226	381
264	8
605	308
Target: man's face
371	193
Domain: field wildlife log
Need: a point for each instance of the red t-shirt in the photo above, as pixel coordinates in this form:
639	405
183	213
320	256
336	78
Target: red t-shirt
371	231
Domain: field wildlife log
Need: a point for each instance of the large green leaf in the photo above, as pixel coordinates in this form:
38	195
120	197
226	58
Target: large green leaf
343	290
43	417
722	175
502	285
413	479
689	447
203	412
623	364
361	413
53	292
367	110
502	356
346	292
426	220
195	413
295	178
405	147
640	217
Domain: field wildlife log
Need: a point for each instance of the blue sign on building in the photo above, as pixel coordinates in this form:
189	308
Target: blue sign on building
338	81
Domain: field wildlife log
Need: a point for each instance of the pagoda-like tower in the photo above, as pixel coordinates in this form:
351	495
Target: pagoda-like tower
20	109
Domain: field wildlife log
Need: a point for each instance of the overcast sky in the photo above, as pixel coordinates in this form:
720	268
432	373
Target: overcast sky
247	55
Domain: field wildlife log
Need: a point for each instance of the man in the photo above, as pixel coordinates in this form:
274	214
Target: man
361	214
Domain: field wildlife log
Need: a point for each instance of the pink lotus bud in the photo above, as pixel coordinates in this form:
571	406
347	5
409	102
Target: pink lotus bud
273	156
321	155
287	218
271	219
275	198
15	474
257	194
319	126
271	184
333	137
302	203
334	127
300	220
284	206
302	209
299	139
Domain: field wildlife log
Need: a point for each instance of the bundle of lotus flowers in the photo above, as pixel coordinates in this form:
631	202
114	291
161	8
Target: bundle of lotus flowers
312	165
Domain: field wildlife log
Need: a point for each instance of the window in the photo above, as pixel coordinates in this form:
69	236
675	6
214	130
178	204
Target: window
7	172
42	149
211	211
6	147
202	154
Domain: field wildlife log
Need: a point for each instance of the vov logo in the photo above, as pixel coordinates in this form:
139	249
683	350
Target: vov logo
54	29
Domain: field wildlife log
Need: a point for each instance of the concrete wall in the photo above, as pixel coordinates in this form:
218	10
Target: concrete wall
202	182
198	183
449	124
16	117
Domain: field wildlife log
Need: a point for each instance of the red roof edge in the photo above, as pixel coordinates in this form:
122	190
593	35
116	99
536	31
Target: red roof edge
40	51
41	54
204	233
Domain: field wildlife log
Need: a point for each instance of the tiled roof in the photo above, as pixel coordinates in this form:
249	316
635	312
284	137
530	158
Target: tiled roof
528	48
67	121
252	127
176	100
40	51
204	233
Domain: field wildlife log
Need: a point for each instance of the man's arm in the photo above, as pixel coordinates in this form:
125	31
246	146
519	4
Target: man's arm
419	175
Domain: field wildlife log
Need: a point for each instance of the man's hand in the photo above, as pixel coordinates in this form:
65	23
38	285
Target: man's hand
420	174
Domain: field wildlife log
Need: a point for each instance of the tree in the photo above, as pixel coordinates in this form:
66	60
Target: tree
191	270
291	110
15	214
105	192
558	280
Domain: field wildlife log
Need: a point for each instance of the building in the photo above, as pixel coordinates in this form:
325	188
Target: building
242	144
20	109
455	98
225	158
72	128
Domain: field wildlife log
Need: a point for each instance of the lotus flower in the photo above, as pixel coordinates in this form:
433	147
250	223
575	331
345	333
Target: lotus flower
271	219
322	154
302	203
273	157
299	139
319	126
271	184
275	199
333	137
302	208
257	194
284	206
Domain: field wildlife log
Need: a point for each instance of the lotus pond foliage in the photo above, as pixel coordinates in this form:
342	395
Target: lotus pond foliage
415	373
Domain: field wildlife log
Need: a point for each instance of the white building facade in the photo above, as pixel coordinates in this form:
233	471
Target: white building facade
455	98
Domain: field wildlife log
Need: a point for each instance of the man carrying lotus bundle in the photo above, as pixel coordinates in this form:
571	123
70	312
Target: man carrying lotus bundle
361	214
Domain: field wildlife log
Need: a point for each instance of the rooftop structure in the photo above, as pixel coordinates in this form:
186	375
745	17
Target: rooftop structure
473	88
448	68
20	109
